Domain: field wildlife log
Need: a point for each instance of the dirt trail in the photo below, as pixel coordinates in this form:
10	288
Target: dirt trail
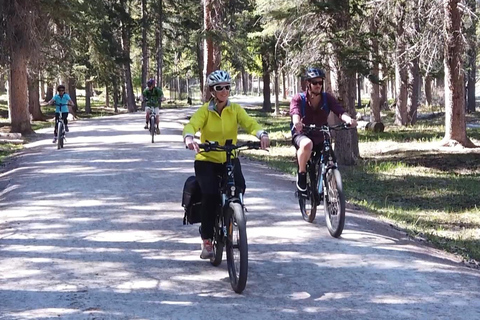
94	231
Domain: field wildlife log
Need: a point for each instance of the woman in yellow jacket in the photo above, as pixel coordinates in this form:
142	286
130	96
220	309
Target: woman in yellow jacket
217	121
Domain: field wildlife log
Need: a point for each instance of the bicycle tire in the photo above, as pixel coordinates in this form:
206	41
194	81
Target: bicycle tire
218	243
152	128
60	135
308	202
334	203
235	219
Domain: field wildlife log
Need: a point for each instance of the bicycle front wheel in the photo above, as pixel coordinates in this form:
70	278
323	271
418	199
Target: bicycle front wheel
218	242
237	246
152	128
334	203
60	135
308	202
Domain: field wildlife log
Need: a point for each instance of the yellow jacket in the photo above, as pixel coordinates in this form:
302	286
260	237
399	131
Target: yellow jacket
216	128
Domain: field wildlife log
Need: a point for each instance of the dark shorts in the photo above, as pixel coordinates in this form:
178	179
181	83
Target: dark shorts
298	137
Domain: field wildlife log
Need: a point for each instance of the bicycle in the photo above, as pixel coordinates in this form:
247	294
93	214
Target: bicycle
61	133
230	230
153	123
323	164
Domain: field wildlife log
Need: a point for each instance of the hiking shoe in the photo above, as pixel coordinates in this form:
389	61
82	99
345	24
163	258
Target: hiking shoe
207	249
157	130
302	181
66	128
54	140
146	127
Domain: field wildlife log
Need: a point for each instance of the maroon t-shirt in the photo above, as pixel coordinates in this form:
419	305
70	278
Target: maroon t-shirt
315	116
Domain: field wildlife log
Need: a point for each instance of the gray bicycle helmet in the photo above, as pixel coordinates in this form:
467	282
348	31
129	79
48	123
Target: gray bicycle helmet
313	73
218	76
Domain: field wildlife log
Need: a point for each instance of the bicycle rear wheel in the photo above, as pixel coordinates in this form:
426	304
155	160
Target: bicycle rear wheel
218	242
308	202
237	246
152	128
60	135
334	203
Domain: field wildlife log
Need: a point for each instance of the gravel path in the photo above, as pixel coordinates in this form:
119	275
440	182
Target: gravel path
94	231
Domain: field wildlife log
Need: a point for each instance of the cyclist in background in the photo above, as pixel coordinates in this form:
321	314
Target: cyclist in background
153	96
315	113
62	100
217	121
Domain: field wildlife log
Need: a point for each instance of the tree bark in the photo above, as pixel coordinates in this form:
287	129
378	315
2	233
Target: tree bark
34	97
455	125
19	115
428	90
375	91
88	95
144	47
413	91
267	104
159	43
211	49
72	85
131	107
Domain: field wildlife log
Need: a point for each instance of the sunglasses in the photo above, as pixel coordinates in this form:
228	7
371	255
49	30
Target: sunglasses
316	82
220	88
61	90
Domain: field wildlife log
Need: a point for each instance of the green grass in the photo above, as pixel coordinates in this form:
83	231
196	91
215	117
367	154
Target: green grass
8	149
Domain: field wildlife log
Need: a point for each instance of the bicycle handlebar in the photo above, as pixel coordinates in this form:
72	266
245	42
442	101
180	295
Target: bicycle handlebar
327	128
229	147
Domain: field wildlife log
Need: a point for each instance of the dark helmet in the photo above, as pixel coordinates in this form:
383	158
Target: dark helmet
313	73
61	87
151	82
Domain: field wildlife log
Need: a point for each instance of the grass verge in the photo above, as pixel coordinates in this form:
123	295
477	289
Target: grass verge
405	178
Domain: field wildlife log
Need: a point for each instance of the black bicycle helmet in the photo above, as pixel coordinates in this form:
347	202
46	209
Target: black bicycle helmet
61	87
313	73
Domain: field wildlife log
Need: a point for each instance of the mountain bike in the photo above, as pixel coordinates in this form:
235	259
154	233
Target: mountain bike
230	230
324	182
61	134
152	123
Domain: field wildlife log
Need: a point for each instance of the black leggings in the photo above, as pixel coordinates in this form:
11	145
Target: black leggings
57	117
208	176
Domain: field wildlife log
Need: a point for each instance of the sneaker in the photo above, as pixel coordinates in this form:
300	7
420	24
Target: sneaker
207	249
54	140
302	181
146	127
66	128
157	130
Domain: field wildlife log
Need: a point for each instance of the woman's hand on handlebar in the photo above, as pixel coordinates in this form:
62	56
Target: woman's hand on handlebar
191	144
264	142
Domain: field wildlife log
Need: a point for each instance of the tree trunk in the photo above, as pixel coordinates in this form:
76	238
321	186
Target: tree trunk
375	91
19	115
116	95
455	126
72	85
34	97
428	90
472	55
277	89
284	86
49	93
346	142
413	91
131	107
144	48
159	43
211	49
267	104
88	95
107	96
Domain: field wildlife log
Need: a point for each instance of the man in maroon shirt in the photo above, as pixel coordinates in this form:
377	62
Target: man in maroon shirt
316	112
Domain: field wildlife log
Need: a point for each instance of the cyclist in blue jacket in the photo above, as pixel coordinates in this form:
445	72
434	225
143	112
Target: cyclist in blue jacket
316	105
61	100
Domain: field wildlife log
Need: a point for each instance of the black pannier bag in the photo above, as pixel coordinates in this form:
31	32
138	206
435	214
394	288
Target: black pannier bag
191	201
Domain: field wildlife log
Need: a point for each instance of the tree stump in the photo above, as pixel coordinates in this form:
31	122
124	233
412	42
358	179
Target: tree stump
375	126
